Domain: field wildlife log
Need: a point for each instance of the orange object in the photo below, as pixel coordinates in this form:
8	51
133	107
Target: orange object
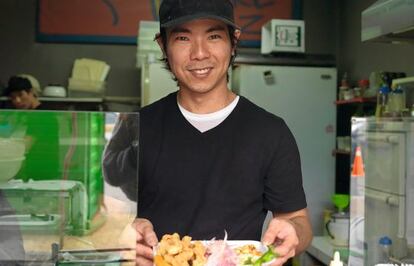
159	261
358	167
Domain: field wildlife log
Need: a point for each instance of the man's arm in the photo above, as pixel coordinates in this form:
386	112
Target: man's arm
300	220
291	233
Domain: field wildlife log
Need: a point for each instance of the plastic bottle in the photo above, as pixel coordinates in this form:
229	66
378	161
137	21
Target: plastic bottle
384	249
382	101
336	260
344	91
396	101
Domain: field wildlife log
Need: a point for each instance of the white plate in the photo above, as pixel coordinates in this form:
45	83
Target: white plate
233	244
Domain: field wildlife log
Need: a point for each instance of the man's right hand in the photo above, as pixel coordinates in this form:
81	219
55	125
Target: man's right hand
146	239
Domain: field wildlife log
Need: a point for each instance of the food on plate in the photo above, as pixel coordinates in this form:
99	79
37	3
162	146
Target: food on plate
247	254
268	256
173	251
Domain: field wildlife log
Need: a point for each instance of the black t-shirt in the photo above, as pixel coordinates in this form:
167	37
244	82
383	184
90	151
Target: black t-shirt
226	178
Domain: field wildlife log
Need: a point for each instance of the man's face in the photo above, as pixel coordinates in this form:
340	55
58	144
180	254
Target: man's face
22	99
199	53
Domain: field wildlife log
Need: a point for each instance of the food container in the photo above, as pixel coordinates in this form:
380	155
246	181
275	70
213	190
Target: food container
338	229
342	91
54	91
348	94
9	168
11	148
358	92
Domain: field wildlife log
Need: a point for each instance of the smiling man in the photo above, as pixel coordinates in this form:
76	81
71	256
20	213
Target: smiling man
211	160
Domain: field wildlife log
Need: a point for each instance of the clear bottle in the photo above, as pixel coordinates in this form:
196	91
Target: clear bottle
382	101
385	244
396	101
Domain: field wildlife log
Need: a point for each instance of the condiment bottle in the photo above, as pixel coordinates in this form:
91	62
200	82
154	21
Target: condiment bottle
382	101
336	260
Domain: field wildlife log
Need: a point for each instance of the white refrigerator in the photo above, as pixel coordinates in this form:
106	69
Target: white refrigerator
304	97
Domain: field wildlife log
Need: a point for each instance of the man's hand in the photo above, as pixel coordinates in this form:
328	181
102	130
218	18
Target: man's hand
282	234
146	239
290	233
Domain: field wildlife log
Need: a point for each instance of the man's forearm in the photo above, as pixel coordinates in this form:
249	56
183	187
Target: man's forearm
303	231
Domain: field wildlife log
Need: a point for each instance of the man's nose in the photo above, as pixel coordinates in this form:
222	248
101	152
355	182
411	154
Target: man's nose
199	50
17	99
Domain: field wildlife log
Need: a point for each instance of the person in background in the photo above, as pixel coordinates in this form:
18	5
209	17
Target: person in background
23	91
42	146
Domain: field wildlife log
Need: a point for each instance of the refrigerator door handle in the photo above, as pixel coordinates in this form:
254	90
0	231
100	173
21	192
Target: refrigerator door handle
390	200
387	139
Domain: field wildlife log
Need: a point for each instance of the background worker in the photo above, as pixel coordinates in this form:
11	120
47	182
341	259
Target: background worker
23	92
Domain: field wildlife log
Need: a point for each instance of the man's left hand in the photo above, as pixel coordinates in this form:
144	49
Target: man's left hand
282	234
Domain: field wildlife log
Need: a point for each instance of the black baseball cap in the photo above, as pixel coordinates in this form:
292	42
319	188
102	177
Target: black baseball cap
175	12
18	84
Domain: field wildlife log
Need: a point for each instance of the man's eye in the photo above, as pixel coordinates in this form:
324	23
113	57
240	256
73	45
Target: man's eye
181	38
214	36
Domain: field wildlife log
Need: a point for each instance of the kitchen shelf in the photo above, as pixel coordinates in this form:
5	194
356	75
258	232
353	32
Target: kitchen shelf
132	100
357	100
64	99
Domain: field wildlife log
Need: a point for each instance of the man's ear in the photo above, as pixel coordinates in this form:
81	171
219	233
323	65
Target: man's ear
158	38
237	34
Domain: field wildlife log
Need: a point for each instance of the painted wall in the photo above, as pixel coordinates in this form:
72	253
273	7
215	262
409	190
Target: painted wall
52	63
358	58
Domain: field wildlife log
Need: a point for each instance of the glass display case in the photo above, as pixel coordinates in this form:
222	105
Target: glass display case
382	189
64	197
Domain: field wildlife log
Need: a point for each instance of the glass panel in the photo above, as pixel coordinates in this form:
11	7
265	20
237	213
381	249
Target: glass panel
382	179
68	187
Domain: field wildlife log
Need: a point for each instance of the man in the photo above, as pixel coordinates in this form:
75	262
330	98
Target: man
211	160
22	93
42	146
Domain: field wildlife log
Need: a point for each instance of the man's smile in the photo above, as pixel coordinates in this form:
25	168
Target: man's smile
200	72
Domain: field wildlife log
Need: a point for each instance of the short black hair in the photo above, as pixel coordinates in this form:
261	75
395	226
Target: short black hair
233	43
18	84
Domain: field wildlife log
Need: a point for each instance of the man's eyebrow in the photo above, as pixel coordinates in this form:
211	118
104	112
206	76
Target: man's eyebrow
180	30
216	28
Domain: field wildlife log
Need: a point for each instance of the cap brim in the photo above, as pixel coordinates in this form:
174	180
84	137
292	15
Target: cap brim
185	19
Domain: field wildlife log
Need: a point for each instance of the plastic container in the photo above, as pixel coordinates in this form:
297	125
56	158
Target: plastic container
385	244
336	260
382	101
374	84
348	94
364	85
342	91
338	229
396	100
358	92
